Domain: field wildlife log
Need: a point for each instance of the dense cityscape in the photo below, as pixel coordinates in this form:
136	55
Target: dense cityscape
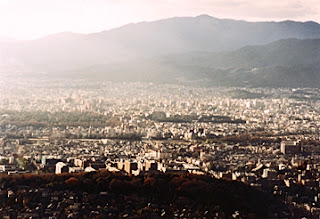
267	138
158	109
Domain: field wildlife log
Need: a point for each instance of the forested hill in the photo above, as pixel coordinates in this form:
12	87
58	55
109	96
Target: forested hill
113	195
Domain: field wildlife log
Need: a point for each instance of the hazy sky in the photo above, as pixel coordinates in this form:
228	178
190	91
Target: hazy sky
28	19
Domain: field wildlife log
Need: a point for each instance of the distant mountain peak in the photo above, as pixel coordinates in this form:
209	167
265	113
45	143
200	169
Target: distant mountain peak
205	16
146	44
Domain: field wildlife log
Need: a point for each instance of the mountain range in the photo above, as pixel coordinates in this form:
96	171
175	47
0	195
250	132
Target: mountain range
181	49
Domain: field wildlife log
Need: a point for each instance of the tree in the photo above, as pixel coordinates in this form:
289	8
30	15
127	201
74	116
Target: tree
72	182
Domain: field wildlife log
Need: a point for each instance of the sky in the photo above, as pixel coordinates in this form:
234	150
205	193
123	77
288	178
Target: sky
31	19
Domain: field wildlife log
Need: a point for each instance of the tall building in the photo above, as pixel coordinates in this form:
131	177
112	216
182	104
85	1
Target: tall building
290	147
61	168
129	166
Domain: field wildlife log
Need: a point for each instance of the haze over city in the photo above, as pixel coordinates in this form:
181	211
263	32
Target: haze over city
159	109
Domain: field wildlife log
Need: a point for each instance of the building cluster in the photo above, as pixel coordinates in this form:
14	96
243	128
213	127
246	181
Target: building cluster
271	142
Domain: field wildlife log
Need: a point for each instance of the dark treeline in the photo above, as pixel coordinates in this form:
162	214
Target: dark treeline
201	194
44	119
161	117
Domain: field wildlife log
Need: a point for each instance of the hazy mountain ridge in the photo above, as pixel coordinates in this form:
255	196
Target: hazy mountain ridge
222	51
288	63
